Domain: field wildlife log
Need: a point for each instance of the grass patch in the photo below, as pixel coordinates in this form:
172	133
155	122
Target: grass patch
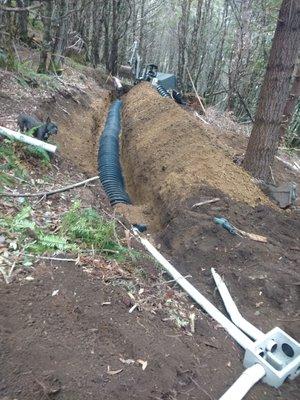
27	75
34	151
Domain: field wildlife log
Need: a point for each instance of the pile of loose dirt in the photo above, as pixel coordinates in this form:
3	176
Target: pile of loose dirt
167	154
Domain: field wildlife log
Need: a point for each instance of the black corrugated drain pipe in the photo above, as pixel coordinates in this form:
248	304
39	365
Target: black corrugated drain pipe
110	171
162	91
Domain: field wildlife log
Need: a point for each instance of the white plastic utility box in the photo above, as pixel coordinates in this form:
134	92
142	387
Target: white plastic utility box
281	360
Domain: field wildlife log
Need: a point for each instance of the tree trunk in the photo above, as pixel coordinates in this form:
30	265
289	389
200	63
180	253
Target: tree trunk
113	56
95	45
45	55
62	32
23	20
291	102
106	18
182	41
142	31
264	139
194	47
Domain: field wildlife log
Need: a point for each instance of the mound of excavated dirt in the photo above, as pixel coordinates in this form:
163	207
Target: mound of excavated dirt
167	154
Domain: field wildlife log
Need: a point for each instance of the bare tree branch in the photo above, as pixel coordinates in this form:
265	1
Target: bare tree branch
19	9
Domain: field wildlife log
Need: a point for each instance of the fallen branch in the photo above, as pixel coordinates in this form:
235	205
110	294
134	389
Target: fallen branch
294	166
27	139
196	93
202	203
54	258
202	119
45	194
253	236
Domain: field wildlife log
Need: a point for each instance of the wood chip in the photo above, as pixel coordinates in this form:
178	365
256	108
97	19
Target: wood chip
202	203
111	372
192	319
128	361
143	364
131	296
133	308
253	236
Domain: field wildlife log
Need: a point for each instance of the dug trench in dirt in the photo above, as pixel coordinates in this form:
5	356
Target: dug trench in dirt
170	164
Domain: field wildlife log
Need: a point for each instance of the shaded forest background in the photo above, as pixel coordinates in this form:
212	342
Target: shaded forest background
224	44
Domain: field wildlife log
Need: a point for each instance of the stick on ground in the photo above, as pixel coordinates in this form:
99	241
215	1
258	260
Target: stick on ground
45	194
202	203
195	90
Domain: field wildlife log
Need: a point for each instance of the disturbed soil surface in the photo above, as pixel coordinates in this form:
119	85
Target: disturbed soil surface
78	107
69	345
72	344
167	154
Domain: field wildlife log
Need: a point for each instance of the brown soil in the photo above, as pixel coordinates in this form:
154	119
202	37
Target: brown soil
167	154
60	347
80	116
78	107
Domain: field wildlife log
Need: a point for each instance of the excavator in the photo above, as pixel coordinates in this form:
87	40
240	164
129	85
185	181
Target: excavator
148	73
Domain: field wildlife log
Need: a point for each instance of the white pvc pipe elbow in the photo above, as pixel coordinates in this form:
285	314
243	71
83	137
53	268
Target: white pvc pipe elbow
233	311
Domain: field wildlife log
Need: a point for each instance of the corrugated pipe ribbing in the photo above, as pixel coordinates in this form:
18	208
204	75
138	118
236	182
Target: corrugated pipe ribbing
162	91
110	171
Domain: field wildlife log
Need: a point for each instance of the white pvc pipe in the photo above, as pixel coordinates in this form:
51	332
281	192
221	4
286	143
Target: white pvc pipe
27	139
233	311
117	82
238	335
244	383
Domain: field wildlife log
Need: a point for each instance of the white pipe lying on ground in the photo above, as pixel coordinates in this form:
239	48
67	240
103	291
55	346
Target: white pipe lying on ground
117	82
238	335
233	311
244	383
27	139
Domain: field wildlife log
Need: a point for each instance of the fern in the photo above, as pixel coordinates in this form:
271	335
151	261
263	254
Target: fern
5	180
88	226
9	160
21	220
48	242
38	152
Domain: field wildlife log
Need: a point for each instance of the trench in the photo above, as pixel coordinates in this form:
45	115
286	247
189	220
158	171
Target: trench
80	118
